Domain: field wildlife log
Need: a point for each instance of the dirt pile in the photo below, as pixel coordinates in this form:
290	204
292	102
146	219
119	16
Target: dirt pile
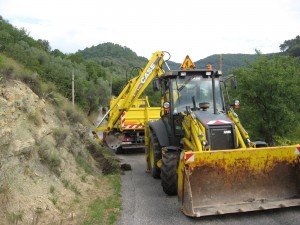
45	169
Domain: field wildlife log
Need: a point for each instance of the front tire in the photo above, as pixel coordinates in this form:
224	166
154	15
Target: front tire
154	155
169	173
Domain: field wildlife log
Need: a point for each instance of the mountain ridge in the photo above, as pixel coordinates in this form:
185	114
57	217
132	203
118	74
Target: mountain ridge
112	51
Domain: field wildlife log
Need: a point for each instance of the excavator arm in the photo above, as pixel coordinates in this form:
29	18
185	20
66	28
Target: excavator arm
131	93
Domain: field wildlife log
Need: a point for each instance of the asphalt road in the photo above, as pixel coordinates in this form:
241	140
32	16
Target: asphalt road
144	202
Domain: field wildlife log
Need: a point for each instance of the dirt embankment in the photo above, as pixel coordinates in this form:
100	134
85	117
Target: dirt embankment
46	173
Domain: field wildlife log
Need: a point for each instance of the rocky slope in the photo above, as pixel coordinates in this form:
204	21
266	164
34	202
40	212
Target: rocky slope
45	169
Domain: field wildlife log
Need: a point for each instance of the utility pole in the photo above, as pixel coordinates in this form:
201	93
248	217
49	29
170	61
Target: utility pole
73	95
110	92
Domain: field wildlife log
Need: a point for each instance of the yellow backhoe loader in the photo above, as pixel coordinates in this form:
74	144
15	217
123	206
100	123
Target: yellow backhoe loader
200	150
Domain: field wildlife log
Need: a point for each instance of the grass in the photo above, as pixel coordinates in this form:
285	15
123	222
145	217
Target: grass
54	162
49	158
74	188
36	118
66	183
52	189
15	217
37	215
106	211
54	200
33	81
73	114
86	166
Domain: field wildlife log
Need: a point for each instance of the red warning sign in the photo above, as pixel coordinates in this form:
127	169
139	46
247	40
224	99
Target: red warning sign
187	64
189	157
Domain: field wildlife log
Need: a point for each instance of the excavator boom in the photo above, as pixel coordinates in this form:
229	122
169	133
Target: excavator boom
127	98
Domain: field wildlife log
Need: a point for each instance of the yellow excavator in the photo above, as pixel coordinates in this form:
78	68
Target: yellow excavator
200	150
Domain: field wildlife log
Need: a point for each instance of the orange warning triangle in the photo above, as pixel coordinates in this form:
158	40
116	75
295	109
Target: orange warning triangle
187	64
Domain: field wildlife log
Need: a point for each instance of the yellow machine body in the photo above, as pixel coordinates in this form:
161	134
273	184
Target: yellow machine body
204	156
230	181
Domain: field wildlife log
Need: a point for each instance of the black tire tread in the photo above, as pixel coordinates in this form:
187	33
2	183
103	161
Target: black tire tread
155	171
168	173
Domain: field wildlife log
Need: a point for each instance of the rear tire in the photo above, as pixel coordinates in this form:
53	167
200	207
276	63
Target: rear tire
168	173
119	150
154	153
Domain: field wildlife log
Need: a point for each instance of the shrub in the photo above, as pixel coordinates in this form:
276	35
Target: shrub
48	90
33	82
54	200
15	218
52	189
60	135
66	183
49	158
54	162
73	115
35	118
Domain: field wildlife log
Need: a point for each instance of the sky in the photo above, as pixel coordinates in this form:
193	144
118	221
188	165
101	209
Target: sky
198	28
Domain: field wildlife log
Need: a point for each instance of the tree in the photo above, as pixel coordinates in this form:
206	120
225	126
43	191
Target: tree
76	57
269	90
57	53
44	45
291	47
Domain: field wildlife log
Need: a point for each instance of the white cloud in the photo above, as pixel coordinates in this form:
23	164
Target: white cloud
198	28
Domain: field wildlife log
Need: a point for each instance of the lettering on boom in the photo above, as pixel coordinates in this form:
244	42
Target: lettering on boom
147	74
144	79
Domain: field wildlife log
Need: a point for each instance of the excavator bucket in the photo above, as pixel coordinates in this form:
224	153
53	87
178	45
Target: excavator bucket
231	181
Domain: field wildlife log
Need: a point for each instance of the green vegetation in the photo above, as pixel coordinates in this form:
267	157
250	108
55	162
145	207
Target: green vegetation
270	98
66	183
35	117
60	135
15	217
54	67
54	200
106	211
268	90
229	61
52	189
83	163
49	157
291	47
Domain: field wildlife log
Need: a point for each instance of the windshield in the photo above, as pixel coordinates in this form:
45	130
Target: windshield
184	89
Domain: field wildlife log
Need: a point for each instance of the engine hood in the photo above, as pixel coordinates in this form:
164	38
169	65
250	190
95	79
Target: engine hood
209	119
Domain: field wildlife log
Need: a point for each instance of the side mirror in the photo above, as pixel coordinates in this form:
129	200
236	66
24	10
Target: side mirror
156	85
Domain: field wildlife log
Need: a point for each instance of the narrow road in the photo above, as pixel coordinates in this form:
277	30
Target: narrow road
144	202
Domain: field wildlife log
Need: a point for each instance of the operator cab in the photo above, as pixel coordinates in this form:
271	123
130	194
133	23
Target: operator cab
195	90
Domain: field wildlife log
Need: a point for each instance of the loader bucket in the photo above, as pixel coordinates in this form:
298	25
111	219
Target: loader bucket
231	181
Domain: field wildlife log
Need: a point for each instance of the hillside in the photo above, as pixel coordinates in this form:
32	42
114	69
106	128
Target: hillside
122	58
229	61
51	172
116	58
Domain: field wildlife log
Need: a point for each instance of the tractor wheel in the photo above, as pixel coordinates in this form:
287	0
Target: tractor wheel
168	173
154	153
